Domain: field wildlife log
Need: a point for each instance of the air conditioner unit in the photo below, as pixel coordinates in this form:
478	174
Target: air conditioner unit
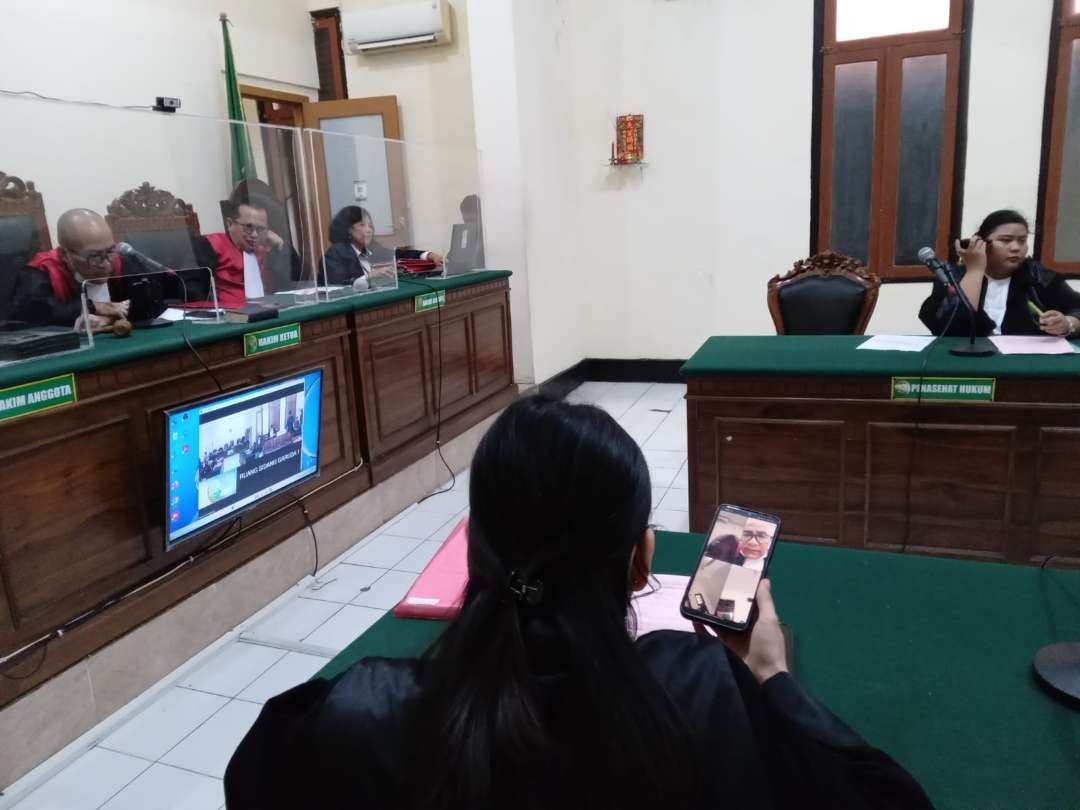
411	24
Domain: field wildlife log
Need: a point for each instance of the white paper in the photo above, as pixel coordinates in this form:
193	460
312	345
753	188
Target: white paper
310	290
897	343
172	314
659	610
1032	344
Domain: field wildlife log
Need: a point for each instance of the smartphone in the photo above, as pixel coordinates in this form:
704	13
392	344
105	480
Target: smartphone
732	562
965	244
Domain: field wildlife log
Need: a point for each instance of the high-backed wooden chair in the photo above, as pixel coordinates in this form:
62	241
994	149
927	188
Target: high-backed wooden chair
156	223
23	231
827	294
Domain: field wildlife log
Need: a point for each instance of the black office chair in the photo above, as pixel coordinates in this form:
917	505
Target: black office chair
23	232
827	294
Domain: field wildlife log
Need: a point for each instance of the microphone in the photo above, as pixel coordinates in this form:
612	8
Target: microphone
927	257
124	249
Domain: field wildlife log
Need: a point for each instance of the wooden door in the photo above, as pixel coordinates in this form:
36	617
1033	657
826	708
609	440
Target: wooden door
353	167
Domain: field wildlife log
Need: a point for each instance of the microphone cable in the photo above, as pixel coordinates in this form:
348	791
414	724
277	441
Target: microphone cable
439	389
918	424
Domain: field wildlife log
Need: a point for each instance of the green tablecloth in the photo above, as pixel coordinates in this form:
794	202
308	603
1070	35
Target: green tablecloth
836	355
928	658
109	350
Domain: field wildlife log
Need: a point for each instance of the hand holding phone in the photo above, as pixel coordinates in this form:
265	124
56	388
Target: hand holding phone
733	561
763	649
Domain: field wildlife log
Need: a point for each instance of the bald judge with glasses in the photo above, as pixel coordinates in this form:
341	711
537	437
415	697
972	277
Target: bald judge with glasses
48	291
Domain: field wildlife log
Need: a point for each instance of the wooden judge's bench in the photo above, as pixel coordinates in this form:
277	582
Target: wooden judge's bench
84	484
924	452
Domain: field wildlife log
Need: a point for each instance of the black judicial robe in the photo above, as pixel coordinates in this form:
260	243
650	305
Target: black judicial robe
340	743
34	299
1031	282
343	266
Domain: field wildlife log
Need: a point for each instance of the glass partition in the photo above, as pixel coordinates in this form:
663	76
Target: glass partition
111	193
214	216
391	212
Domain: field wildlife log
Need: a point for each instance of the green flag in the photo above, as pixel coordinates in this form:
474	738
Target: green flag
243	161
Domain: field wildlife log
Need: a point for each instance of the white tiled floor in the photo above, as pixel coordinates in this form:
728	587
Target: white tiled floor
173	752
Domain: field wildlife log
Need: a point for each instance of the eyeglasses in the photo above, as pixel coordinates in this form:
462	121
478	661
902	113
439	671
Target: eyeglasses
251	227
95	256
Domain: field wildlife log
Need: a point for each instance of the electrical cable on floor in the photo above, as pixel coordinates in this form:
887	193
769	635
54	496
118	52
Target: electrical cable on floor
71	624
314	538
438	391
35	670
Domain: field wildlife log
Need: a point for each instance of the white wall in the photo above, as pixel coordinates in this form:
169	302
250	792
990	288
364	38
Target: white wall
682	249
434	92
126	52
497	109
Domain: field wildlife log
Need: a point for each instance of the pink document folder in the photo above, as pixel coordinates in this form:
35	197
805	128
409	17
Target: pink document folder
440	590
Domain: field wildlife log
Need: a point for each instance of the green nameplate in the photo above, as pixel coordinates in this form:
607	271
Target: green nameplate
431	300
40	395
944	389
268	340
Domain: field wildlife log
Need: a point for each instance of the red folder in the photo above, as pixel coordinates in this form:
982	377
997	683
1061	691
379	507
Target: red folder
440	590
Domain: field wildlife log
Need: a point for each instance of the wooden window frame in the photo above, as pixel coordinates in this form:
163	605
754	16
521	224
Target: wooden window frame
1064	31
330	19
889	53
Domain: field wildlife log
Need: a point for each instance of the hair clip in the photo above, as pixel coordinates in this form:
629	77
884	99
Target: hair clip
529	592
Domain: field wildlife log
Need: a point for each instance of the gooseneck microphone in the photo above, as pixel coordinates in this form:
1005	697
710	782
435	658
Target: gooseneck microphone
952	287
124	249
927	257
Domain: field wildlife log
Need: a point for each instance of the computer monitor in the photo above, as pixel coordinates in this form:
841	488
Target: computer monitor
230	452
466	250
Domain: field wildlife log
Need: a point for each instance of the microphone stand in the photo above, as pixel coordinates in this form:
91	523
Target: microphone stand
971	348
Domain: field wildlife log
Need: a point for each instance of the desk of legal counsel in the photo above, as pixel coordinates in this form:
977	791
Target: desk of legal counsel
940	682
840	444
84	483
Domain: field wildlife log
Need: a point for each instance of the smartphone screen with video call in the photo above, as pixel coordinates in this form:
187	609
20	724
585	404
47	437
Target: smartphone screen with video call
733	561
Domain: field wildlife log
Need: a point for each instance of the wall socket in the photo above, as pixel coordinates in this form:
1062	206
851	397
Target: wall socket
359	190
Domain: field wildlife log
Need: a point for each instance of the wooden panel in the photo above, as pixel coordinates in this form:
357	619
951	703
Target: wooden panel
792	468
961	487
991	481
492	336
98	465
46	562
456	368
399	374
1057	499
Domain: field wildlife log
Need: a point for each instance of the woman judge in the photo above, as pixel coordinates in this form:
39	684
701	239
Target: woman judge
1011	292
354	253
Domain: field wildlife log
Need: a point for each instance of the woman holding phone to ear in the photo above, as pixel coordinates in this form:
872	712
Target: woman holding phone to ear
1011	292
537	696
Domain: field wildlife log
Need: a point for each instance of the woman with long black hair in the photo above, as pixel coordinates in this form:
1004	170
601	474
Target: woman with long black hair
537	696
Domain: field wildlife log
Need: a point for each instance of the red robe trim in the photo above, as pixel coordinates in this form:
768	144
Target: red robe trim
63	283
229	272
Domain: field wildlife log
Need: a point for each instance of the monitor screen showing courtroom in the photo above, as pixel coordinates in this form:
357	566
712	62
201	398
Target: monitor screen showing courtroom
228	453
